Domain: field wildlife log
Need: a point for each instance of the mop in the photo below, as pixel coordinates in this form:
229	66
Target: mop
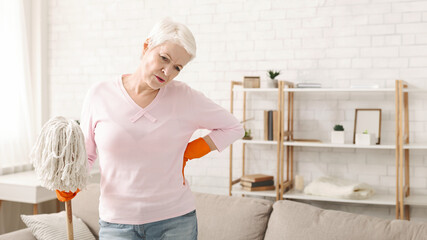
60	161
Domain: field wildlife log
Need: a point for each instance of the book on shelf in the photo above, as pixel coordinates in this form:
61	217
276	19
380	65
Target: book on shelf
257	184
271	124
309	85
275	125
262	188
266	125
256	178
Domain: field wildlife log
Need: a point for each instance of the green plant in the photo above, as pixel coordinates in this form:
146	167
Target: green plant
365	132
273	74
338	127
247	133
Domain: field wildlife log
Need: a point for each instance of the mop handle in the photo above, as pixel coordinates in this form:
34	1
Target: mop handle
69	220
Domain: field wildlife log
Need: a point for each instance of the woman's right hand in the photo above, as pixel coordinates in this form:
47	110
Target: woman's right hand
195	149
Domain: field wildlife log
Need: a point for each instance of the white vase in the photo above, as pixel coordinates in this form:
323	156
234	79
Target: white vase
272	83
299	183
337	137
365	139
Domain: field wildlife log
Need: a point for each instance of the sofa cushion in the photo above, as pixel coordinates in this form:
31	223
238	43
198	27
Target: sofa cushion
225	217
22	234
53	226
85	206
293	220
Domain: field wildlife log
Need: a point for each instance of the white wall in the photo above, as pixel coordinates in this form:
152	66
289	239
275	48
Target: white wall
336	43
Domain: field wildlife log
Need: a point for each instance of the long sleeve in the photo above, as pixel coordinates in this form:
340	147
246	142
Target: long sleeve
88	127
208	115
140	150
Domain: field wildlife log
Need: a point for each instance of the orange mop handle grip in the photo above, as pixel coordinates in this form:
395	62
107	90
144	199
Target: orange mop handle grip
66	196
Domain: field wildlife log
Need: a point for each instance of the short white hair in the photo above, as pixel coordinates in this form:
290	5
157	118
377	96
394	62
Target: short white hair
168	30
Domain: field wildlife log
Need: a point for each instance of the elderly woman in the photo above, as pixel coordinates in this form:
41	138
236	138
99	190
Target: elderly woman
140	125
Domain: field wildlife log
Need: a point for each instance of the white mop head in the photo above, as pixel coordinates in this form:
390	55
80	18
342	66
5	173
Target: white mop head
59	156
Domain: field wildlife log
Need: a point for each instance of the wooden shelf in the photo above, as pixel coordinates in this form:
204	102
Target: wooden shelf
334	145
415	90
257	142
327	90
256	90
352	90
415	146
239	190
376	199
416	200
339	90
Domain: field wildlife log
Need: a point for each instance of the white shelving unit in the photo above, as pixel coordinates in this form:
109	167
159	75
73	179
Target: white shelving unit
285	145
235	88
377	199
402	200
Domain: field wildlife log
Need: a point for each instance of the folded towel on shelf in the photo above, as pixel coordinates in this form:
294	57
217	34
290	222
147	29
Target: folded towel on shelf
339	188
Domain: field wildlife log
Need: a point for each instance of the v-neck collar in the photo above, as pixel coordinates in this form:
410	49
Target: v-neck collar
140	110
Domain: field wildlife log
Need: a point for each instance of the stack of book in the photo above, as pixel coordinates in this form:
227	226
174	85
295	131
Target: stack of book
257	182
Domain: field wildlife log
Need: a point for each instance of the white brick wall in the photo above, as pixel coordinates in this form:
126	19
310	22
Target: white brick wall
336	43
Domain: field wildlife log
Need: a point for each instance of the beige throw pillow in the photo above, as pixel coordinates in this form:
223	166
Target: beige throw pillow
54	227
231	218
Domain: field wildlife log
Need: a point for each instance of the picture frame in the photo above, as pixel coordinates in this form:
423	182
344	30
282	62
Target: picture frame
251	82
367	119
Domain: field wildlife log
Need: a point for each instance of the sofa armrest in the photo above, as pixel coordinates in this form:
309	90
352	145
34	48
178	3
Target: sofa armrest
22	234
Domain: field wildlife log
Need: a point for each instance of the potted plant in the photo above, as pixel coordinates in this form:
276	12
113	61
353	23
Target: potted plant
365	138
337	136
272	82
247	135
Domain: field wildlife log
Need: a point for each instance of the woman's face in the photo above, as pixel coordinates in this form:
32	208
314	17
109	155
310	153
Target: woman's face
161	64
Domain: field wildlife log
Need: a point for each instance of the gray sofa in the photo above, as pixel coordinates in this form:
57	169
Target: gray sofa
234	218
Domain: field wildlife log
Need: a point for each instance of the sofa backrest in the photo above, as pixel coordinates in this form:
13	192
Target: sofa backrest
85	206
298	221
219	217
224	217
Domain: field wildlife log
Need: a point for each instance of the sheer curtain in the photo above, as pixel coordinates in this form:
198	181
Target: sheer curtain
17	120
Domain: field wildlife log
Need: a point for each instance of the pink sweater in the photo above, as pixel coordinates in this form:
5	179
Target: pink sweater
141	149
